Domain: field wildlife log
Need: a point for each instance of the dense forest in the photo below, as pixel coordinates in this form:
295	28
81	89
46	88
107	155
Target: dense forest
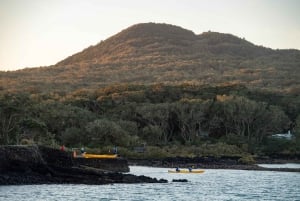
202	120
160	88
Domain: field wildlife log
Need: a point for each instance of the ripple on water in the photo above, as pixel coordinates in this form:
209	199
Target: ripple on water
212	185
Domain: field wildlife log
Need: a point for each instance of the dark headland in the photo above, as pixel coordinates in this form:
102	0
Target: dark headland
21	165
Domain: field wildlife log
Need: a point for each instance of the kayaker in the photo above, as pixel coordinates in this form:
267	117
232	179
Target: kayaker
190	169
115	150
82	150
177	169
62	148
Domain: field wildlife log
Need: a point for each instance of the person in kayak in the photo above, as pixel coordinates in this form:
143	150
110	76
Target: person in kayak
190	169
177	169
115	150
62	148
82	150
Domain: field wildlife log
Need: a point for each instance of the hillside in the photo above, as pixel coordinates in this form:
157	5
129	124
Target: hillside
160	53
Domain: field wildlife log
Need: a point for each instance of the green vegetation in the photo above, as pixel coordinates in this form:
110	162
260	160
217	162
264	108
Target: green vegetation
183	120
163	88
247	160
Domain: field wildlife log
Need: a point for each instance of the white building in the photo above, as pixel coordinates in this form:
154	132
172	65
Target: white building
287	136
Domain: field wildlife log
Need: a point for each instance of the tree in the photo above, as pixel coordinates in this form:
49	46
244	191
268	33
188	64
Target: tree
152	134
58	117
74	136
249	119
162	115
9	116
12	110
190	116
106	132
297	131
34	130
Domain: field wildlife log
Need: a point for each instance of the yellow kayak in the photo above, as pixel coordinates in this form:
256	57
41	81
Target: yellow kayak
99	155
186	171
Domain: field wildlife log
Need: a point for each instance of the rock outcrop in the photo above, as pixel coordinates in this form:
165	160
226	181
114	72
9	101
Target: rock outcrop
108	165
42	165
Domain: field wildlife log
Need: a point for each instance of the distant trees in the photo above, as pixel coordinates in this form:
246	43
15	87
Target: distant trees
9	116
12	110
105	132
191	117
248	119
297	132
34	130
156	115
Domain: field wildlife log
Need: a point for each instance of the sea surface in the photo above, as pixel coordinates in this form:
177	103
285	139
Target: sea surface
212	185
286	165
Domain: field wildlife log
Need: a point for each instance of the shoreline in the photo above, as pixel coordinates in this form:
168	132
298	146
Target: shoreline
21	165
212	164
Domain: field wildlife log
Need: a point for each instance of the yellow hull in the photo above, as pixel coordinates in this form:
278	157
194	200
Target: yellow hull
186	171
100	155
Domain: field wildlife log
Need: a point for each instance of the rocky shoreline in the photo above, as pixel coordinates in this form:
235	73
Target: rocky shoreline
214	163
20	165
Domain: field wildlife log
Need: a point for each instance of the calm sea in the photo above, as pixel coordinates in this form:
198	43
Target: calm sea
211	185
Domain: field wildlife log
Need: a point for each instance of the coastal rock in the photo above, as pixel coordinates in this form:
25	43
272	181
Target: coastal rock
179	180
108	165
22	159
43	165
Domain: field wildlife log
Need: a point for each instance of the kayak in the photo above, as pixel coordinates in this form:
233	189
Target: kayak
186	171
100	155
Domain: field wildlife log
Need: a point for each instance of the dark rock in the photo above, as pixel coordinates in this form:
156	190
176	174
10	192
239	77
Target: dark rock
179	180
42	165
56	157
109	165
22	159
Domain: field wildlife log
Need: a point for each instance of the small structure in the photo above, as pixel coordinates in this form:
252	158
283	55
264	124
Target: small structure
140	149
287	136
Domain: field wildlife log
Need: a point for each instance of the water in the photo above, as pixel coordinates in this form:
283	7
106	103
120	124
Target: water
211	185
287	165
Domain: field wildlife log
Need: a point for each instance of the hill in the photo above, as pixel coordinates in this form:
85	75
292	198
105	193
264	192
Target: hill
161	53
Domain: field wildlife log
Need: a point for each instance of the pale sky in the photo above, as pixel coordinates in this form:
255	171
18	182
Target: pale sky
37	33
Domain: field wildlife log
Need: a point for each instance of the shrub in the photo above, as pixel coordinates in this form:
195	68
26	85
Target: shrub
247	160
